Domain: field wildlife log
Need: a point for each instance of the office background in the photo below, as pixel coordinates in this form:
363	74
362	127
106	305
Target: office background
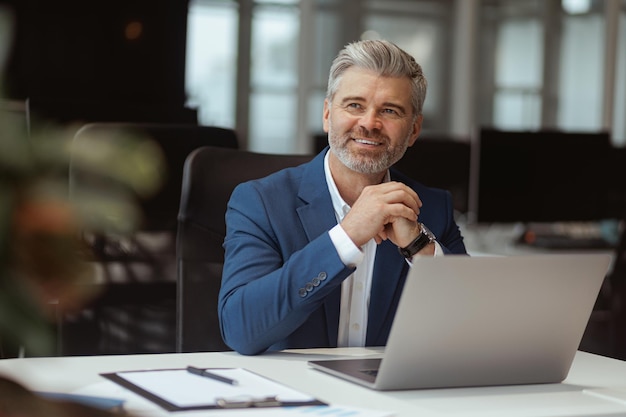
260	68
506	64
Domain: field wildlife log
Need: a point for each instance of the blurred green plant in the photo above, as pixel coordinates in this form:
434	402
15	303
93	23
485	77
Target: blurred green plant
43	260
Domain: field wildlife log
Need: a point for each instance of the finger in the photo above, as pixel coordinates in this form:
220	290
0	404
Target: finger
405	195
401	210
411	192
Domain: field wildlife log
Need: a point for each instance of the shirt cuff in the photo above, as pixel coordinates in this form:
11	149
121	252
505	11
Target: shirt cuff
349	253
438	250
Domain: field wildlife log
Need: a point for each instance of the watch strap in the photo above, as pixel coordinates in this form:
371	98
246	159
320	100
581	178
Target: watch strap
424	238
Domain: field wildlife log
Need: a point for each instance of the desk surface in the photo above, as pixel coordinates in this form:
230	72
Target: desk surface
570	398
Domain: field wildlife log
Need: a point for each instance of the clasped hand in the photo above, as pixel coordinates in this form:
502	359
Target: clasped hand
384	211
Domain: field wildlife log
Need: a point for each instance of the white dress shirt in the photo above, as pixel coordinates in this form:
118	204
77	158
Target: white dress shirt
355	290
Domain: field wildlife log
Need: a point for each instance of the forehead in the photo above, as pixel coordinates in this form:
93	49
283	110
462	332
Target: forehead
367	85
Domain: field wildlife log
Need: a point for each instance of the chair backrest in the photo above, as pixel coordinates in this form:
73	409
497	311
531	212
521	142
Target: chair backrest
139	269
176	142
209	177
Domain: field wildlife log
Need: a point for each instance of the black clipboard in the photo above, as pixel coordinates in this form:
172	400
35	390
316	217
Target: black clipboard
164	387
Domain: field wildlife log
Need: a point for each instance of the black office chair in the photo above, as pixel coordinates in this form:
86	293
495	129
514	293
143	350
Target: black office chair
617	280
606	330
209	178
135	311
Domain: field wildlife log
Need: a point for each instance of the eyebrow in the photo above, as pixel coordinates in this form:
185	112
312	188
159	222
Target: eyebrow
351	98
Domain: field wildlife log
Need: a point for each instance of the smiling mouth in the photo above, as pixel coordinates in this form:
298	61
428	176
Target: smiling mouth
367	142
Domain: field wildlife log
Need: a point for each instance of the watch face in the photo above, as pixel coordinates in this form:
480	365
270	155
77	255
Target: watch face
427	232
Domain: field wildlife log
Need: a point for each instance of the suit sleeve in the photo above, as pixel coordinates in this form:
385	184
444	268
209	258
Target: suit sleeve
273	276
449	236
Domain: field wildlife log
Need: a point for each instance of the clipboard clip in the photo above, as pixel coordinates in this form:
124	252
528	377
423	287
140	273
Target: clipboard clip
245	401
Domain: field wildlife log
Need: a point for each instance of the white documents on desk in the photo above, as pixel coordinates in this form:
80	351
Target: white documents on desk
476	321
139	406
180	390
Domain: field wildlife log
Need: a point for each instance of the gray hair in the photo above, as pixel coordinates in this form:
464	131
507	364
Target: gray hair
384	58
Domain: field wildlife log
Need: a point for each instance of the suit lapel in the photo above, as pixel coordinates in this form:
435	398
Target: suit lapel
316	214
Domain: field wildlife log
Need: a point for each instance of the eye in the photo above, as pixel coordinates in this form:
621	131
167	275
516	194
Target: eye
390	111
354	108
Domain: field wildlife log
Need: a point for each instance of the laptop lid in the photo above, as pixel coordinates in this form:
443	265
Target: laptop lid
476	321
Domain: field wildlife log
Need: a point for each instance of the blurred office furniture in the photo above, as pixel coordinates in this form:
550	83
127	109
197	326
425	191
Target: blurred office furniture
564	191
14	118
606	331
14	129
135	311
540	178
63	111
434	161
320	141
616	176
617	280
210	175
441	163
101	51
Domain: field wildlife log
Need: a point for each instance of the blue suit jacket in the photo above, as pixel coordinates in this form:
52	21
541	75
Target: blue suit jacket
277	246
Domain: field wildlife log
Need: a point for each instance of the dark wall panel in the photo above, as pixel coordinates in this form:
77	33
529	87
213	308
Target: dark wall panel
130	51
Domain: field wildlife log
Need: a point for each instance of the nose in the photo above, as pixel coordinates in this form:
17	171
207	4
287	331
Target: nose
370	120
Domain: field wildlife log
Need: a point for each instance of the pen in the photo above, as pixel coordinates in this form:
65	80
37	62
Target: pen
207	374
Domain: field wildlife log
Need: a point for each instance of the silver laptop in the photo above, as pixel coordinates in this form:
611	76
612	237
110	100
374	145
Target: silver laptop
477	321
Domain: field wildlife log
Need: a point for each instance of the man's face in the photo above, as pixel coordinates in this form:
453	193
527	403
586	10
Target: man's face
370	122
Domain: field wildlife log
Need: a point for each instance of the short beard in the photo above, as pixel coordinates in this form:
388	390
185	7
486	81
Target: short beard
364	164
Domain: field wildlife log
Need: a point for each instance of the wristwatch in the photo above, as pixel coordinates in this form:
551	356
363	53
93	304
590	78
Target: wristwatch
424	238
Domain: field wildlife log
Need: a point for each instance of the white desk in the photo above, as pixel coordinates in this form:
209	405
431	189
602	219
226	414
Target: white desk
68	374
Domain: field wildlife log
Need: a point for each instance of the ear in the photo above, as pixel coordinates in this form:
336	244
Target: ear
417	128
326	114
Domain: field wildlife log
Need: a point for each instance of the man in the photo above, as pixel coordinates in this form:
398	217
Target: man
312	253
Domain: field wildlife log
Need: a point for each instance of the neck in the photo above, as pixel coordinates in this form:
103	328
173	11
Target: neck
350	183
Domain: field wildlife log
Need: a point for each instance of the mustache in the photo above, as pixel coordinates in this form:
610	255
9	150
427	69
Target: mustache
365	133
